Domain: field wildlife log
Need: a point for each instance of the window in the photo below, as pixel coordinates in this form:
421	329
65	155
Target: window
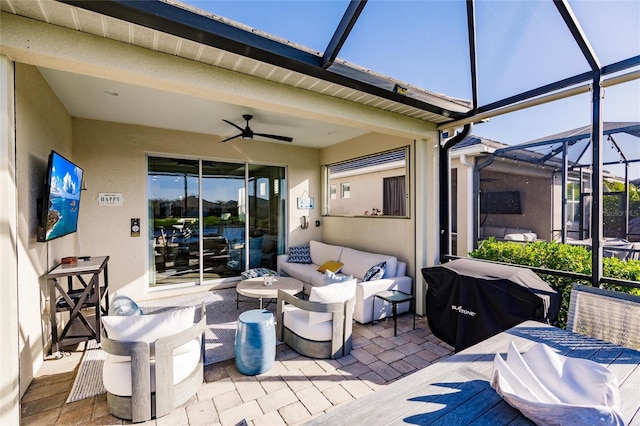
373	185
345	190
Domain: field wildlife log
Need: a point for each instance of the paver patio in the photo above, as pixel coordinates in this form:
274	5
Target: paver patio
295	389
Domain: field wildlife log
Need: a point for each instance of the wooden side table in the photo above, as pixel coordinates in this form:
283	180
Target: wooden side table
394	297
92	294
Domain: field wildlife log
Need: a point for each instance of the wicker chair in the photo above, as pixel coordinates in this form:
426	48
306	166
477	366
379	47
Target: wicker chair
151	388
325	339
607	315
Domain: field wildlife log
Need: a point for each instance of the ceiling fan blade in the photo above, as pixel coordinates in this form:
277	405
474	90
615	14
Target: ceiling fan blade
280	138
233	124
232	137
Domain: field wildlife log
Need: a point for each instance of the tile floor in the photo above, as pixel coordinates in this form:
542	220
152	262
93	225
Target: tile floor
295	389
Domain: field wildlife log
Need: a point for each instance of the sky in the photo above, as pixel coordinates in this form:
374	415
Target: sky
521	45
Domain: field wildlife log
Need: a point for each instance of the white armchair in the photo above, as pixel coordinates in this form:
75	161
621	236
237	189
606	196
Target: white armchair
154	362
320	327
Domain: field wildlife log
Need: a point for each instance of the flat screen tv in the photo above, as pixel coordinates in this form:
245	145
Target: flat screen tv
504	202
61	201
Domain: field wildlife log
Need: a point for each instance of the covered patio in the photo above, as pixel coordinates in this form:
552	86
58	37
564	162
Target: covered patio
114	83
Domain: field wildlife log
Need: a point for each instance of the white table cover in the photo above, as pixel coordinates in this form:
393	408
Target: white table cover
552	389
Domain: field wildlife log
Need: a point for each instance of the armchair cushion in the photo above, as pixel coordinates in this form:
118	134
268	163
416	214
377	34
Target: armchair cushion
117	374
148	328
297	320
338	292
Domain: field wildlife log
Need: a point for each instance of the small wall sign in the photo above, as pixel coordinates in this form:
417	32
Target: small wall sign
305	202
110	199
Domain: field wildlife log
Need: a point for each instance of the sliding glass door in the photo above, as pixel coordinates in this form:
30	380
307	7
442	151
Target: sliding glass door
266	215
211	220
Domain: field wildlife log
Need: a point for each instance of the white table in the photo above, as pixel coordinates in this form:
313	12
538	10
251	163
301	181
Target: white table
255	288
457	390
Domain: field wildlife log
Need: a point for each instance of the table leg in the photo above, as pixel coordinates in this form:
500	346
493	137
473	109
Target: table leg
395	319
373	310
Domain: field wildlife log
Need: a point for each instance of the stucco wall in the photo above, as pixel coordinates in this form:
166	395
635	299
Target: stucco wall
394	236
113	158
535	199
42	124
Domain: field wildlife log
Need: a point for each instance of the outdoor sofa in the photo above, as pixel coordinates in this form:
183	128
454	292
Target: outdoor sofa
359	264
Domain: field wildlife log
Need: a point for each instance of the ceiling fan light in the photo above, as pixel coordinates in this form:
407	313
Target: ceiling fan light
246	137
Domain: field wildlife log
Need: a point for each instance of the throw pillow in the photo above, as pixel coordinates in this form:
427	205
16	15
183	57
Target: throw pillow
332	278
376	272
299	254
338	292
331	265
257	273
123	306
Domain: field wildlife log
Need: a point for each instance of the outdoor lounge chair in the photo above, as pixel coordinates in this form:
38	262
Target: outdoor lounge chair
607	315
313	328
148	371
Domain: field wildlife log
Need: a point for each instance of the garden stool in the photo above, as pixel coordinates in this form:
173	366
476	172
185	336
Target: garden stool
255	348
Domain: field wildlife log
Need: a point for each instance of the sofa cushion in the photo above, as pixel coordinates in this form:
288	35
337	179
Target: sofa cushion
376	272
116	375
123	306
492	231
297	320
357	262
301	271
321	252
331	265
299	254
338	292
517	231
524	236
257	273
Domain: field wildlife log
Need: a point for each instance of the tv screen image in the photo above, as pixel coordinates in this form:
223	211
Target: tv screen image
504	202
61	204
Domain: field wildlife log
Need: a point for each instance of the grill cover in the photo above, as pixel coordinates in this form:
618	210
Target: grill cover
469	301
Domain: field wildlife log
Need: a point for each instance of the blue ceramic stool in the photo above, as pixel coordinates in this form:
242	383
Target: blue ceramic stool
255	342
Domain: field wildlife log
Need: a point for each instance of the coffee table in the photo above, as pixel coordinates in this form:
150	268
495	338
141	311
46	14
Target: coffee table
255	288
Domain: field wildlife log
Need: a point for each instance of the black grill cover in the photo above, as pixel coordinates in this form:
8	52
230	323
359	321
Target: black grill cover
469	301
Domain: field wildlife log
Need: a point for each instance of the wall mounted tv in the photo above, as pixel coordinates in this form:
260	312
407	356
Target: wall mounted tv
504	202
61	202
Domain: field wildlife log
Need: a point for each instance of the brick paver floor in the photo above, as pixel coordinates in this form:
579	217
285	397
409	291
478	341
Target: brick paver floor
295	389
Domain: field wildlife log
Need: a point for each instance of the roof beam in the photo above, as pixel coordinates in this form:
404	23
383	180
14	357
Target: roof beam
471	29
576	31
342	32
183	23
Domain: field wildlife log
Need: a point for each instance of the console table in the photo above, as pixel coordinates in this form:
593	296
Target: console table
92	294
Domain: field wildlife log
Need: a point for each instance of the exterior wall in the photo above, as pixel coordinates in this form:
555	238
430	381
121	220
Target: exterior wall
388	235
114	160
366	193
42	124
9	325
